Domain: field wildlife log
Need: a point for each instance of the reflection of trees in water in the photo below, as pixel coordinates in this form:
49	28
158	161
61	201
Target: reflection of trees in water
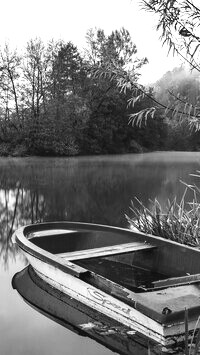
75	190
17	207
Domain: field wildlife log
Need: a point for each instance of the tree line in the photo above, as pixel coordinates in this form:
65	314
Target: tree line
53	103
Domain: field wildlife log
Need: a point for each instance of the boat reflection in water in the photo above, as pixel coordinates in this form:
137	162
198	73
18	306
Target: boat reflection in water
79	318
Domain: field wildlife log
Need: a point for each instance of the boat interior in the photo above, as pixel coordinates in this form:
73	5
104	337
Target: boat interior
135	261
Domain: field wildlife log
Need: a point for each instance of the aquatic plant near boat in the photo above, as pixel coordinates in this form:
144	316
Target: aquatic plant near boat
177	221
193	349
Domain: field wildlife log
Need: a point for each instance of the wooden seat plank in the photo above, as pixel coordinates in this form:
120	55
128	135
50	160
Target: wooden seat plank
106	251
177	281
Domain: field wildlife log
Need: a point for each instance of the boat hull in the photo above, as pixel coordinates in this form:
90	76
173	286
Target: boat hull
109	305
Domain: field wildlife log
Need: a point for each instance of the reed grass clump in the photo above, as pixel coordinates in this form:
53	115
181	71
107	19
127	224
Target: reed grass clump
178	221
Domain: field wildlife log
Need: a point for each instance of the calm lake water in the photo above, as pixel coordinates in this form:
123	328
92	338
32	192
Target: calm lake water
88	189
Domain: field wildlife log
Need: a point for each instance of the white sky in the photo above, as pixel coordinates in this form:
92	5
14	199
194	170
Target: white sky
69	20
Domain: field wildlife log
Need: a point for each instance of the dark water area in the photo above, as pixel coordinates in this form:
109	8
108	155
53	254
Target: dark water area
88	189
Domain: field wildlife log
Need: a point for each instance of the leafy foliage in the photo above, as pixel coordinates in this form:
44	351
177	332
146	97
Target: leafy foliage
178	23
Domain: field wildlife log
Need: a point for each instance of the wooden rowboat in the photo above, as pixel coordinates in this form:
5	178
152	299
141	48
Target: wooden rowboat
141	281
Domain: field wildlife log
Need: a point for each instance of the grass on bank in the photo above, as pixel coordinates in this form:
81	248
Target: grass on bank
179	222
